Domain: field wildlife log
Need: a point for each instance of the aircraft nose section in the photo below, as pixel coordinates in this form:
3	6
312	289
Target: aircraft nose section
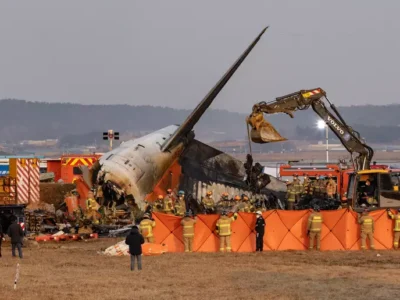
119	179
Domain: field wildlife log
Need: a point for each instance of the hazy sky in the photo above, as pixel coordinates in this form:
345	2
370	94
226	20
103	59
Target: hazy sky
170	53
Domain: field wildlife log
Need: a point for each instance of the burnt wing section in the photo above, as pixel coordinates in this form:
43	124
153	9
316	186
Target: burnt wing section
206	168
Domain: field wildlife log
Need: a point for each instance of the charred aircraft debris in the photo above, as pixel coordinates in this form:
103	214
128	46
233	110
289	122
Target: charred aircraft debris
132	171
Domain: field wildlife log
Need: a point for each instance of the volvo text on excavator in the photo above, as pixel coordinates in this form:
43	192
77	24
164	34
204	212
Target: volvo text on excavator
383	194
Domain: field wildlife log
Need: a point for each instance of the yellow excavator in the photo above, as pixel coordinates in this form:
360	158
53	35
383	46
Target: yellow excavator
383	195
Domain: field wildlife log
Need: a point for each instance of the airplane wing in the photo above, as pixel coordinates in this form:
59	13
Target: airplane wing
196	114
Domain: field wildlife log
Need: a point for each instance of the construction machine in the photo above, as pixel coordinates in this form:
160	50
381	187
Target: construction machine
383	194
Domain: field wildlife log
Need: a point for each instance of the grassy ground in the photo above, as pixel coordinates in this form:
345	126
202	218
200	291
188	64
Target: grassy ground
75	270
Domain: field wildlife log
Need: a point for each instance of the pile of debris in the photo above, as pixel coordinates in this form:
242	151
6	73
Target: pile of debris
122	249
323	203
40	218
62	236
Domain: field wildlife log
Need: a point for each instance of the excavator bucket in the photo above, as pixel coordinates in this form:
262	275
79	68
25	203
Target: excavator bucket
262	131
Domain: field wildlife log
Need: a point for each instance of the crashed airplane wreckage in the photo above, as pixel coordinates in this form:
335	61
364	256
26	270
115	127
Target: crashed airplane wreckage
140	169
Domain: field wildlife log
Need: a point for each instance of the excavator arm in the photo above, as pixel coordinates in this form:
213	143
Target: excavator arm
263	132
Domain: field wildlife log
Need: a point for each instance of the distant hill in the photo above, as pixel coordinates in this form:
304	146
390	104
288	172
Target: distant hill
23	120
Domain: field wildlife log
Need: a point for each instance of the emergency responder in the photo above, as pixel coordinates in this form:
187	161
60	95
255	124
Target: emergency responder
208	203
298	187
188	232
290	195
158	204
319	187
396	227
260	229
91	208
180	205
307	189
224	230
322	188
367	229
224	203
146	228
233	201
247	206
331	187
314	227
369	193
315	187
259	203
252	203
238	203
168	202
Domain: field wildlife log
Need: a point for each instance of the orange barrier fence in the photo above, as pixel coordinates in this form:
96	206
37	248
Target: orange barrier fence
285	230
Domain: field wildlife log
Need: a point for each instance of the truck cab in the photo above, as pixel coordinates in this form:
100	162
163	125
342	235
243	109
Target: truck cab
374	188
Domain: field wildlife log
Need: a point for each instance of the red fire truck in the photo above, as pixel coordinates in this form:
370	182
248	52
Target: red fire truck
340	173
67	168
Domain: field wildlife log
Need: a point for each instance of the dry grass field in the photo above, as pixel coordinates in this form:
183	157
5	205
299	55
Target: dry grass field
75	270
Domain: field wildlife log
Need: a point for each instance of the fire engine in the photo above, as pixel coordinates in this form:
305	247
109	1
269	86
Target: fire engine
341	173
67	168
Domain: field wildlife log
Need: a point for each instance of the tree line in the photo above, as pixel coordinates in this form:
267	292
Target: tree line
24	120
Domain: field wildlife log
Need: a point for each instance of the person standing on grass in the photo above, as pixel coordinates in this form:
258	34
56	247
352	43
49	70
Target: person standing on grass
135	240
16	234
260	229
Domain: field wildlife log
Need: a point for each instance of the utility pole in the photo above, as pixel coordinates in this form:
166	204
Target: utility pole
111	135
327	144
321	125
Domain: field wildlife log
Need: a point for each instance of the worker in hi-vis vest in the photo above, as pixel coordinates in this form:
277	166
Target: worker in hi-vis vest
224	229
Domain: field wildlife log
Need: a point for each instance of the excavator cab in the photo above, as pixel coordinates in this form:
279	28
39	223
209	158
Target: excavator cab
374	188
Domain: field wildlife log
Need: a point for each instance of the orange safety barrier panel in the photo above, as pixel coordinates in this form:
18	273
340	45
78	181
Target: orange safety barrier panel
285	230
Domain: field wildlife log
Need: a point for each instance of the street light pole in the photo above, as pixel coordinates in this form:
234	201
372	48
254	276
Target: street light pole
327	143
321	125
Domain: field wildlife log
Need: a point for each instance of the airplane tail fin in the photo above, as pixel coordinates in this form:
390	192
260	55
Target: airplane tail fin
196	114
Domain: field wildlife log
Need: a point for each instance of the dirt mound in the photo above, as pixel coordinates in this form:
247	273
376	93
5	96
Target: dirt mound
53	193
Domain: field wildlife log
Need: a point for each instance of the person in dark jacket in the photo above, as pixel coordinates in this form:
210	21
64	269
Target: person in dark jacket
16	234
135	241
1	237
260	227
